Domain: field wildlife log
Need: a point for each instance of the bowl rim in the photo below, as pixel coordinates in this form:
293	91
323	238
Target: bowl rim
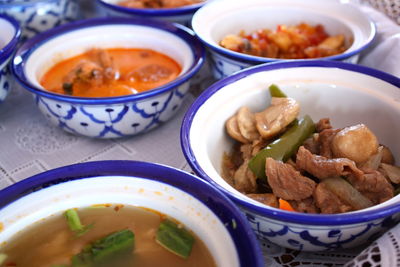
180	31
24	3
155	12
257	59
262	210
243	237
8	49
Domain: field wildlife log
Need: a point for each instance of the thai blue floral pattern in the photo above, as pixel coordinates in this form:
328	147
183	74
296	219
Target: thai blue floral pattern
319	238
116	120
5	82
44	15
222	67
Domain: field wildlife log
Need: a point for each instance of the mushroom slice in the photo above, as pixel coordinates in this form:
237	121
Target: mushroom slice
357	143
247	124
232	128
275	118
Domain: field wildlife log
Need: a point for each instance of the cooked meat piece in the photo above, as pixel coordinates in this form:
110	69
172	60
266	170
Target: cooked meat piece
322	167
387	156
305	205
325	140
329	202
233	42
244	179
373	185
258	145
232	128
332	42
246	150
286	182
357	143
312	144
323	124
266	199
277	116
86	71
105	61
150	73
247	124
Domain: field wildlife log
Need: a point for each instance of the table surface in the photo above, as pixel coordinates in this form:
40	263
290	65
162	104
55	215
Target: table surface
30	145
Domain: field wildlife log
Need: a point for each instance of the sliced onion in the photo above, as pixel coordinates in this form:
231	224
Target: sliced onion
347	193
392	172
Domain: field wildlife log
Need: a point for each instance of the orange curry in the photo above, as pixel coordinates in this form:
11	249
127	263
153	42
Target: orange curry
111	72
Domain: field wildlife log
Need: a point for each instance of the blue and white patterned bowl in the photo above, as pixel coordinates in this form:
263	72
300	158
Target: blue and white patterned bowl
109	117
182	15
214	21
36	16
10	34
347	94
188	199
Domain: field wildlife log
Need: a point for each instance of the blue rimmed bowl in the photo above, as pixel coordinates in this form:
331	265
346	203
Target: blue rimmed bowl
214	21
113	116
347	94
10	34
184	197
36	16
182	15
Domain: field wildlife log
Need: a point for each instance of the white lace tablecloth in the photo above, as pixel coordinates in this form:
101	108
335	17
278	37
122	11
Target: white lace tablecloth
29	145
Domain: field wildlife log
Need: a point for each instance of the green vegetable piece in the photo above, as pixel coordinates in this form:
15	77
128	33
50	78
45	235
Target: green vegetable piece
75	224
105	249
3	258
114	244
275	91
284	147
175	239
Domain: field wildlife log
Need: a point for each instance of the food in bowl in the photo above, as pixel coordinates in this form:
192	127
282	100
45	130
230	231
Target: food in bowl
287	41
158	3
152	201
345	93
107	235
111	72
292	163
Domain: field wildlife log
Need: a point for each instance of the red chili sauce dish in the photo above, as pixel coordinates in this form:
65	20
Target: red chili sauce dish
288	42
111	72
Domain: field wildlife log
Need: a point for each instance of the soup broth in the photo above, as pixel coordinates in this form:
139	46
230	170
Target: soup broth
52	243
111	72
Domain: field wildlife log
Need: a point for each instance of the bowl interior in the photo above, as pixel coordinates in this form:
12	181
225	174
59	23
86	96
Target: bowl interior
216	20
7	32
346	97
124	190
75	42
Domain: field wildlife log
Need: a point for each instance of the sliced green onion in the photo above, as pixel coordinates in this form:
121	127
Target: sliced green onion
175	239
275	91
75	224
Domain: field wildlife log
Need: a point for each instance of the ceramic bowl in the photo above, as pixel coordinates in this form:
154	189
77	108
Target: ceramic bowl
188	199
8	43
36	16
347	94
181	15
109	117
215	20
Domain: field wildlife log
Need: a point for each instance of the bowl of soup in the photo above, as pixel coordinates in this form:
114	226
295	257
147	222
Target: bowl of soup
307	149
36	16
8	43
247	33
180	11
122	213
109	77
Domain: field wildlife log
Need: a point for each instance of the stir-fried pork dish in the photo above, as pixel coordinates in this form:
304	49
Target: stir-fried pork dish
158	3
295	164
292	42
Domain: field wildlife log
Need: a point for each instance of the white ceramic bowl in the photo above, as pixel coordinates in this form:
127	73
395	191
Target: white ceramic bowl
109	117
181	15
348	94
188	199
10	34
36	16
215	20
